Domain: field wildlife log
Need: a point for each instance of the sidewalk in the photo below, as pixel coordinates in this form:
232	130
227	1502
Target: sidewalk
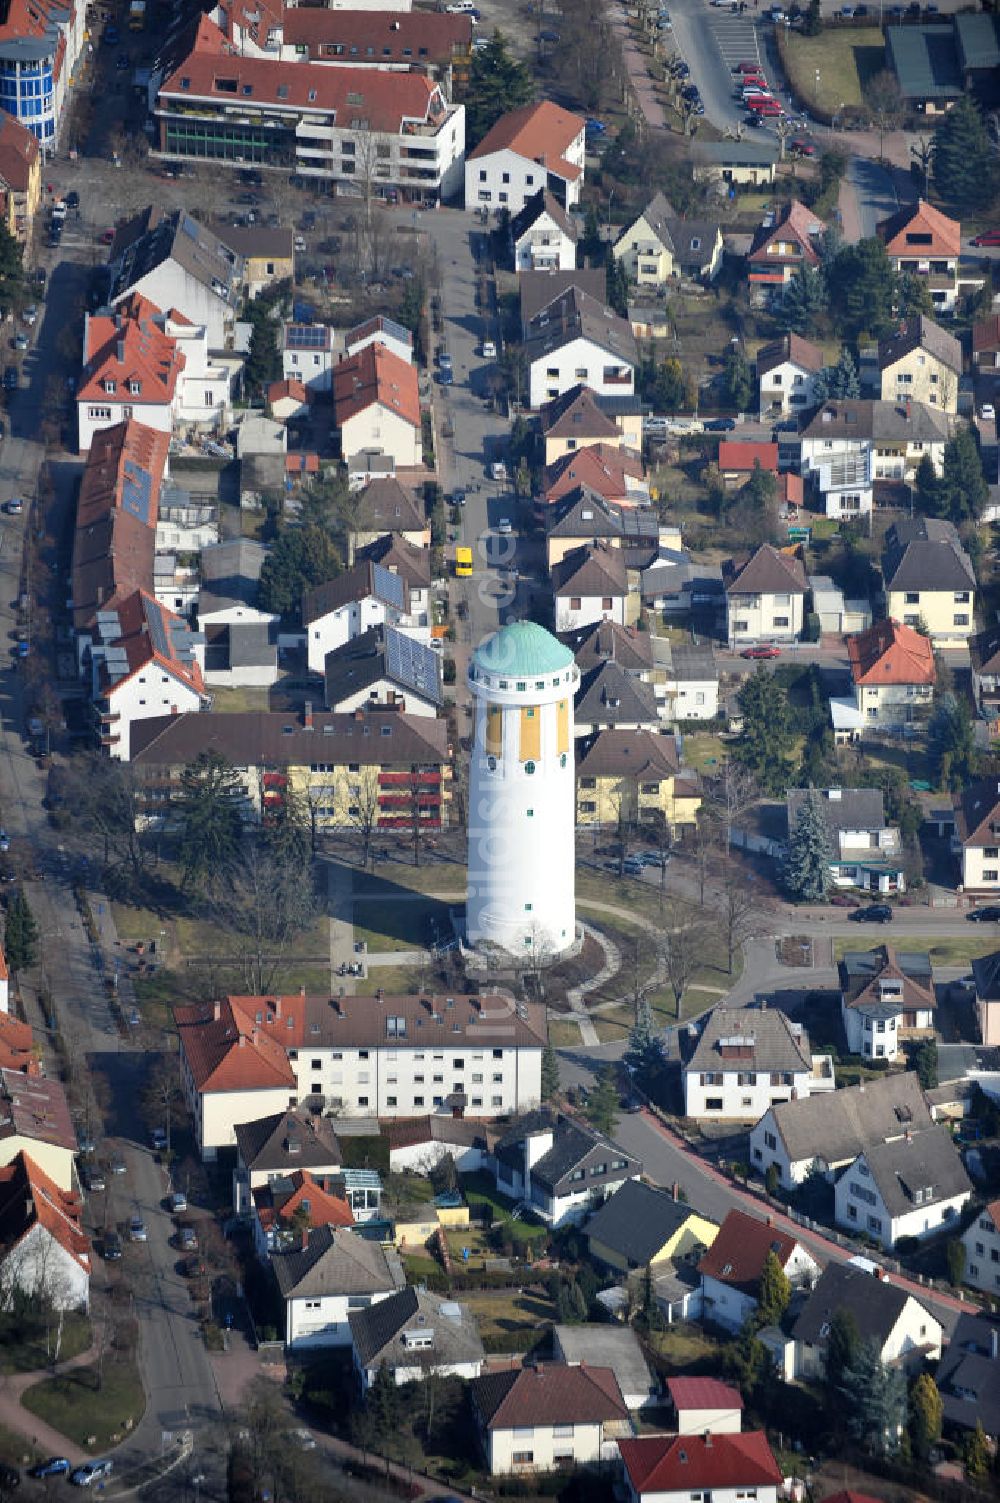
43	1437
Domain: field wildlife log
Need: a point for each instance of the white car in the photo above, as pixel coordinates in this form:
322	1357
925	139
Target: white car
505	527
988	412
488	350
498	470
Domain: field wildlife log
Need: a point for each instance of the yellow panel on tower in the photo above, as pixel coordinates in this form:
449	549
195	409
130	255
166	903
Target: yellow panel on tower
531	733
494	730
562	726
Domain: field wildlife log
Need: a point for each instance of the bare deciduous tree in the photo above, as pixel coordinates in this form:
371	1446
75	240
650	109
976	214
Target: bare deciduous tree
267	903
681	946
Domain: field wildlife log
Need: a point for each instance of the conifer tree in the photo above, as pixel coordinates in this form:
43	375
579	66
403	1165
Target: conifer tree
810	851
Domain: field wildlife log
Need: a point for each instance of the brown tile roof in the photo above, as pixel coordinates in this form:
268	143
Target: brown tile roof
18	153
552	1393
984	650
541	132
977	813
390	505
738	1254
641	754
17	1047
924	220
286	1140
795	222
680	1463
393	552
279	390
337	1261
890	653
375	374
28	1198
360	582
603	468
576	415
594	569
921	333
279	738
34	1107
863	990
607	641
149	633
765	572
115	537
986	334
793	348
414	37
226	1050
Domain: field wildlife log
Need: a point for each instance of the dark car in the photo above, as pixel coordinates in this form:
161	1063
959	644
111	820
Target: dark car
9	1476
56	1466
987	915
548	36
720	425
72	199
252	178
112	1247
10	378
875	913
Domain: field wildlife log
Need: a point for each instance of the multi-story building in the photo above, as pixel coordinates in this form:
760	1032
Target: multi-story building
376	406
928	579
578	418
577	339
393	40
725	1468
534	1419
590	583
46	1253
765	597
977	835
914	1186
903	1331
781	247
732	1268
364	596
865	852
543	235
748	1059
243	1058
982	1250
893	673
896	435
636	777
373	133
145	661
786	374
537	146
922	242
40	46
20	175
176	263
307	355
132	369
885	997
384	667
365	771
923	361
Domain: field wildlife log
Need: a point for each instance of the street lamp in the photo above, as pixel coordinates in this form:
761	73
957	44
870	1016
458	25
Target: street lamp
611	198
817	86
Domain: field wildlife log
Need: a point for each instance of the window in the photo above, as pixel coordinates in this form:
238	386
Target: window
912	597
362	1100
713	1103
529	768
770	1141
390	1101
606	603
575	602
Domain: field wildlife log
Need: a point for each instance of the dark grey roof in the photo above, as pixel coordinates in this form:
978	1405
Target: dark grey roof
578	315
252	644
733	154
288	1141
986	975
258	241
844	808
764	572
925	61
637	1221
875	1303
610	696
583	512
686	664
921	333
927	1160
229	574
279	738
977	39
608	641
378	1332
155	237
658	214
968	1376
592	569
870	419
538	289
695	240
984	650
926	554
387	504
772	1041
571	1145
836	1125
859	967
363	580
405	559
336	1262
383	653
543	202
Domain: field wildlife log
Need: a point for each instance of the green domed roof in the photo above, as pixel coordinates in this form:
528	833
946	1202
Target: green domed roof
522	647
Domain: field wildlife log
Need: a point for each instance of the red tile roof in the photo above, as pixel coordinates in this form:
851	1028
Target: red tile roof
28	1197
17	1047
388	101
278	390
922	219
18	153
375	374
703	1393
540	132
687	1463
301	464
796	223
791	489
115	476
141	618
414	37
890	653
850	1496
739	1252
226	1049
734	455
279	1202
128	346
600	466
553	1393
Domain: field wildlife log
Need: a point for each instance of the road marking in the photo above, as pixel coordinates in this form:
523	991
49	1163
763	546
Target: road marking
736	39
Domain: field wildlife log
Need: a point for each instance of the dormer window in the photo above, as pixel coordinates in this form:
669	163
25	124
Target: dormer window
110	387
135	388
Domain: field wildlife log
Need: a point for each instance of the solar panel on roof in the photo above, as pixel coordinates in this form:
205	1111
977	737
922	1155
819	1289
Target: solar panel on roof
157	629
189	227
410	662
137	491
388	586
306	336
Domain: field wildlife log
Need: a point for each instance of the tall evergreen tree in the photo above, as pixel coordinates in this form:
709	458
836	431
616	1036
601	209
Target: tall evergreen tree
862	287
803	301
302	556
874	1398
976	1454
842	1347
603	1105
766	738
616	285
775	1293
209	811
951	744
20	933
839	382
550	1073
926	1416
644	1053
962	490
737	379
913	296
807	865
497	83
927	488
965	171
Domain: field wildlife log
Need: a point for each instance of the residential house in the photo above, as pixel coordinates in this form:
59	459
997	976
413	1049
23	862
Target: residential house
543	235
921	241
366	595
393	39
986	344
532	1419
383	331
641	1226
376	405
732	1268
690	681
698	247
977	835
982	1247
173	261
20	174
867	854
420	137
281	1208
230	575
612	698
725	1468
41	42
738	460
986	979
415	1335
45	1251
885	997
614	1347
635	776
35	1121
747	1059
364	1056
18	1050
617	474
678	584
902	1329
747	163
824	1133
765	597
968	1375
589	584
578	418
273	1148
420	1143
928	579
558	1167
921	360
384	667
539	290
849	446
984	657
837	614
307	355
386	508
412	563
287	401
397	764
924	62
892	675
265	253
145	661
704	1406
132	369
332	1273
786	375
645	247
782	246
578	339
582	519
914	1186
607	642
537	146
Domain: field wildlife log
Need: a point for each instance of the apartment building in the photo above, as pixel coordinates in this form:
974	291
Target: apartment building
537	146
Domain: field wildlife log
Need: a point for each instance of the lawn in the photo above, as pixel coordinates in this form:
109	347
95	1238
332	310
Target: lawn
705	986
563	1035
15	1450
704	750
498	1312
847	58
685	1346
957	951
74	1405
234	701
23	1345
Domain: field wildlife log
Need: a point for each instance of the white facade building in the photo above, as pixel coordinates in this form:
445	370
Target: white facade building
307	355
982	1250
537	146
334	1272
521	885
366	596
710	1468
912	1187
749	1059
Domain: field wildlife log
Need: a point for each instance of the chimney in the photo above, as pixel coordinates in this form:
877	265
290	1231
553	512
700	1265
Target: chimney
769	1220
277	1007
216	1011
675	1190
305	1239
255	1036
708	1440
243	1040
307	715
380	996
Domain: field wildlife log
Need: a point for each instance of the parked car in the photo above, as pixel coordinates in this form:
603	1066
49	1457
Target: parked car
720	425
55	1466
72	199
446	376
158	1139
505	527
187	1239
22	342
875	913
763	650
112	1247
988	412
633	867
91	1472
11	380
988	915
14	506
488	350
117	1164
988	237
94	1180
498	470
137	1230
